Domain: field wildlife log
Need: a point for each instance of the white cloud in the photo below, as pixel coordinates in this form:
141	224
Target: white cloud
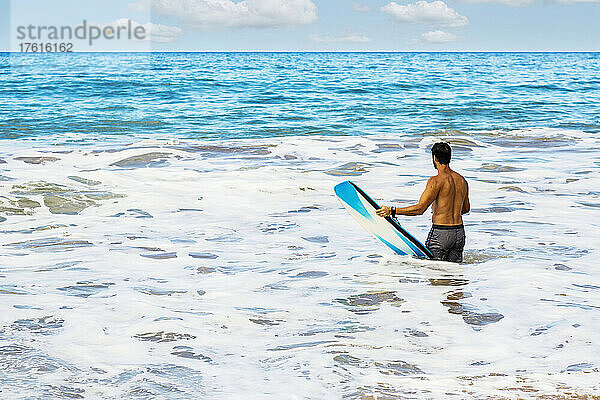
210	14
348	38
422	12
438	37
360	7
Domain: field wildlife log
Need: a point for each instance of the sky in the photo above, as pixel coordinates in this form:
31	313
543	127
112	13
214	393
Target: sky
312	25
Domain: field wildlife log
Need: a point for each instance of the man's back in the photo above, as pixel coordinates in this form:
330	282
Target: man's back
448	206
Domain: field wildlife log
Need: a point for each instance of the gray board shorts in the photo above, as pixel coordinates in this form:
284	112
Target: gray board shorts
446	242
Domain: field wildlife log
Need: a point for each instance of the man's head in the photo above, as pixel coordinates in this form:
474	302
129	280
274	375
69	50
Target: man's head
441	153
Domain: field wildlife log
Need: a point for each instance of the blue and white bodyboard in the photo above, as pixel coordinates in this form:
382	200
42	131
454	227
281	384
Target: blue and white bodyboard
388	230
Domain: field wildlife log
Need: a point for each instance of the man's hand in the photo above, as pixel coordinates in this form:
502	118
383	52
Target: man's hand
384	211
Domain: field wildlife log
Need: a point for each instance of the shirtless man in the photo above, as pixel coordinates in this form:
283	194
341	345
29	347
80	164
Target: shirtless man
449	193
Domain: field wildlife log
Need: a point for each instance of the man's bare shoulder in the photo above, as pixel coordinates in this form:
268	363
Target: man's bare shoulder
460	176
433	181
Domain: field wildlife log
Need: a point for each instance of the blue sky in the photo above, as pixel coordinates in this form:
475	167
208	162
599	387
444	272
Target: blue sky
317	25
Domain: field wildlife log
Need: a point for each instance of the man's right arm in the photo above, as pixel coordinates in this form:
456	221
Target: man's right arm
466	204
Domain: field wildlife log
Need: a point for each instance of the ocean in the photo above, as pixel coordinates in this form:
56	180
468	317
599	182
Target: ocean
168	227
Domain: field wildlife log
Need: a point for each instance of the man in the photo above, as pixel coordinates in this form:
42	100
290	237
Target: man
449	193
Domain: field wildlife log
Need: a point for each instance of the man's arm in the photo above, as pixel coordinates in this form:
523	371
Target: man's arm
466	204
428	196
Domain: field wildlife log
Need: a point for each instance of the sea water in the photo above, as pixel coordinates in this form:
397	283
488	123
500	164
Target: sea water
168	227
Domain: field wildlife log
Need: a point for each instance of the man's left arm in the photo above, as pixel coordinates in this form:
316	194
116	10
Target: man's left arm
428	196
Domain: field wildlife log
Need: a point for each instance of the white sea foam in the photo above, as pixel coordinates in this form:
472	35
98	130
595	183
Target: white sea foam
226	268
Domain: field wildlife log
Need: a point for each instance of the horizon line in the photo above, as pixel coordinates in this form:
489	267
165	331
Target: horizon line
307	51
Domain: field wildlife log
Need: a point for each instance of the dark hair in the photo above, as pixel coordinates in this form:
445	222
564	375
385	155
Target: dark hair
442	152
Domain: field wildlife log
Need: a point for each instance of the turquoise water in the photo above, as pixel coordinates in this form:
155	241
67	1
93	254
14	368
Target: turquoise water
168	227
239	95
